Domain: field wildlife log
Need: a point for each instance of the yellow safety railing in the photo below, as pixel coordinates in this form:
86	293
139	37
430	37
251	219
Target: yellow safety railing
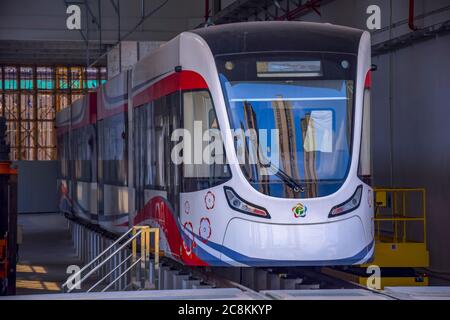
145	250
392	207
110	265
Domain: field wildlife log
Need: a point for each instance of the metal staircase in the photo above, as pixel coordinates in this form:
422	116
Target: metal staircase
123	264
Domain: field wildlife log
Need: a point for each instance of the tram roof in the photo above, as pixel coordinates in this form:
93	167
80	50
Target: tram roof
280	36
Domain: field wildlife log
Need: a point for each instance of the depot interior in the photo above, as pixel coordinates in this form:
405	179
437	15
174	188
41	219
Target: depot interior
44	67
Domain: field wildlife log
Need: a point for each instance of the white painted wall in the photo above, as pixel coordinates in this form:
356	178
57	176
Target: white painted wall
124	56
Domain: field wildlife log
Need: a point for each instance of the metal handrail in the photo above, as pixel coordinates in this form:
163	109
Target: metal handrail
97	258
109	273
115	262
120	277
403	217
104	261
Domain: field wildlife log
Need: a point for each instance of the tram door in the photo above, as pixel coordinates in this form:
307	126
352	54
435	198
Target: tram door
155	172
140	125
93	174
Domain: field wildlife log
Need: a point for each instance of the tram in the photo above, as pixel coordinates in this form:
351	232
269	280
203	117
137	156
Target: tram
282	112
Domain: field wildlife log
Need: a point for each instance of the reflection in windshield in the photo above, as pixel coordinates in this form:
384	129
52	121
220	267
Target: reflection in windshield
313	119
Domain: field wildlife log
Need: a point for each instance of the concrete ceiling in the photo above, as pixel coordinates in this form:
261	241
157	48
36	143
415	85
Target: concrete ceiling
35	31
50	52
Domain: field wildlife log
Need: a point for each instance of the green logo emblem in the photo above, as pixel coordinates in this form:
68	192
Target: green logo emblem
299	211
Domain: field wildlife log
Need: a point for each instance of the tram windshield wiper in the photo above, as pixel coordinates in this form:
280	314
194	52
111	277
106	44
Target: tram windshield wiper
294	185
291	182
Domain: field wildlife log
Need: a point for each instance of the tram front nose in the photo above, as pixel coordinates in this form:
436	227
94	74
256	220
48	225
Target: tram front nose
263	244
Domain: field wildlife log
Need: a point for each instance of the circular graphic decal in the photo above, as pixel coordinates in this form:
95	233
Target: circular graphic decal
299	211
188	238
187	207
205	229
210	200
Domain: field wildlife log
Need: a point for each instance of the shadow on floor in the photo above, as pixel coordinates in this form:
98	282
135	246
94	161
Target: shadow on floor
45	254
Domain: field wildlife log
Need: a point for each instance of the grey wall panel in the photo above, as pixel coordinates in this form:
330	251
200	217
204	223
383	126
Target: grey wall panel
421	132
37	186
419	87
353	13
381	141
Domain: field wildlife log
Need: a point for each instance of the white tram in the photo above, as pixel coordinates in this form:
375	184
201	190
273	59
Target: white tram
299	92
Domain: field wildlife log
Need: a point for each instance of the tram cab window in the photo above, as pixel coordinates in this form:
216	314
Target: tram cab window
205	166
307	99
319	132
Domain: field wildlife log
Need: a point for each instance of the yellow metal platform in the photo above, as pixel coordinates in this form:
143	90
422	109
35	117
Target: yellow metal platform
400	240
400	255
400	229
385	281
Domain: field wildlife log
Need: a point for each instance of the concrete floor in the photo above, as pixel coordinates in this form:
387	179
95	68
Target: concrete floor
47	251
45	254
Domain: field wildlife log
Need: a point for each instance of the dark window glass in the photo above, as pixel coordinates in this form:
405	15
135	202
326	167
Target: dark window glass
83	143
157	157
198	110
113	148
63	156
300	108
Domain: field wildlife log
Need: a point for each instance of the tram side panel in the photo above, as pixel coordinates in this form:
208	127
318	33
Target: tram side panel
83	151
156	114
204	213
179	198
113	192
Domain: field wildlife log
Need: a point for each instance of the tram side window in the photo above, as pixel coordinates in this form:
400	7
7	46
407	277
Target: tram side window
112	145
205	166
140	145
149	144
83	150
60	155
158	115
63	156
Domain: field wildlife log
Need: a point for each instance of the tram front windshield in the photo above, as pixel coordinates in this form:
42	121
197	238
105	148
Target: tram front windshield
292	119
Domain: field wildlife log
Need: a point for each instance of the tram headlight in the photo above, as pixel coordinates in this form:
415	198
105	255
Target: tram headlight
243	206
349	205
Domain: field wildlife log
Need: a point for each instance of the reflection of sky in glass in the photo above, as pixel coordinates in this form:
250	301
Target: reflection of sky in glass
301	98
